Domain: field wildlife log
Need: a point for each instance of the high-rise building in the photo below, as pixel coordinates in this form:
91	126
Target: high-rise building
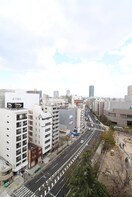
56	94
91	91
13	135
68	93
129	90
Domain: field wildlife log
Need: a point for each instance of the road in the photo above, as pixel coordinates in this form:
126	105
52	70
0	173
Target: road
51	181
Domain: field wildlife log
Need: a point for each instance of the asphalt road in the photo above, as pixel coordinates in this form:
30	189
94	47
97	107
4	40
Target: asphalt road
51	181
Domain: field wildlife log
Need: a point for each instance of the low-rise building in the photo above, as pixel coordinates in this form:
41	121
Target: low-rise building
6	173
34	154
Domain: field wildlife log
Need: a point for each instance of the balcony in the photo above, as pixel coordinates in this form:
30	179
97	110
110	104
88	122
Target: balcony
25	123
18	124
24	143
18	131
18	145
18	152
24	136
18	138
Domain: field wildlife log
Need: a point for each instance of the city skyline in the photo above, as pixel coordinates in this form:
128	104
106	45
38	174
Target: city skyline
57	45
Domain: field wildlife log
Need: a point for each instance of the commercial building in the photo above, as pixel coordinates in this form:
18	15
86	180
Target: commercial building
119	112
2	96
54	111
40	128
20	96
39	92
67	118
91	91
13	132
34	154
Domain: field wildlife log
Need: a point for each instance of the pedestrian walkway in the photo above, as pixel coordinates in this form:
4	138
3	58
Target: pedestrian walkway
17	182
24	192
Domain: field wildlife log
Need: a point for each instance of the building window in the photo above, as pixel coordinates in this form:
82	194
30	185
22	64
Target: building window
18	152
47	141
24	155
18	164
18	131
7	155
18	124
24	149
47	135
18	145
46	130
47	147
18	138
24	136
18	158
24	142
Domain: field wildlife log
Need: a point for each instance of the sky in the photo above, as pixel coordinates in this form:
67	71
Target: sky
66	45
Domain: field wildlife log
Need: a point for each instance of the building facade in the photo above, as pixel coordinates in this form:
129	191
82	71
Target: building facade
54	111
34	154
40	128
13	132
67	118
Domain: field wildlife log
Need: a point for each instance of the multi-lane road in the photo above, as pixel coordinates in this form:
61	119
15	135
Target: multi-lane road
51	181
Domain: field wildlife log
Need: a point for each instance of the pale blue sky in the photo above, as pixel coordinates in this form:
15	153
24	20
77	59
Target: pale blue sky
59	45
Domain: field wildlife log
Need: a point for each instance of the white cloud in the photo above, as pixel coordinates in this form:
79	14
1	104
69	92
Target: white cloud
32	31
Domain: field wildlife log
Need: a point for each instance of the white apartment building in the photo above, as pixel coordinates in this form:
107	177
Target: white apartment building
80	119
54	111
13	135
40	128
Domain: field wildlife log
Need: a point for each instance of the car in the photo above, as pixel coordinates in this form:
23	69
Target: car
81	141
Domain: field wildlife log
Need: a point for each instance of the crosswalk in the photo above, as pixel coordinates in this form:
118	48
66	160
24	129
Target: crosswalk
24	192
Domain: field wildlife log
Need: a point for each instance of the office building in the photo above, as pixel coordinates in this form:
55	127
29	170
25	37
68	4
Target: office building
91	91
40	128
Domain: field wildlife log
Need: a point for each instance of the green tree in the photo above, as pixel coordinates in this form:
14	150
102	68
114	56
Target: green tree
84	181
108	138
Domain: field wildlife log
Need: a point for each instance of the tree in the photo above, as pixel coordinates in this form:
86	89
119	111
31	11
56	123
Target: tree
105	120
108	138
84	181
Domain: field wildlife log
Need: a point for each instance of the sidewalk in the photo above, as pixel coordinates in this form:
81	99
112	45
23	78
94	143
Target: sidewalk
5	192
